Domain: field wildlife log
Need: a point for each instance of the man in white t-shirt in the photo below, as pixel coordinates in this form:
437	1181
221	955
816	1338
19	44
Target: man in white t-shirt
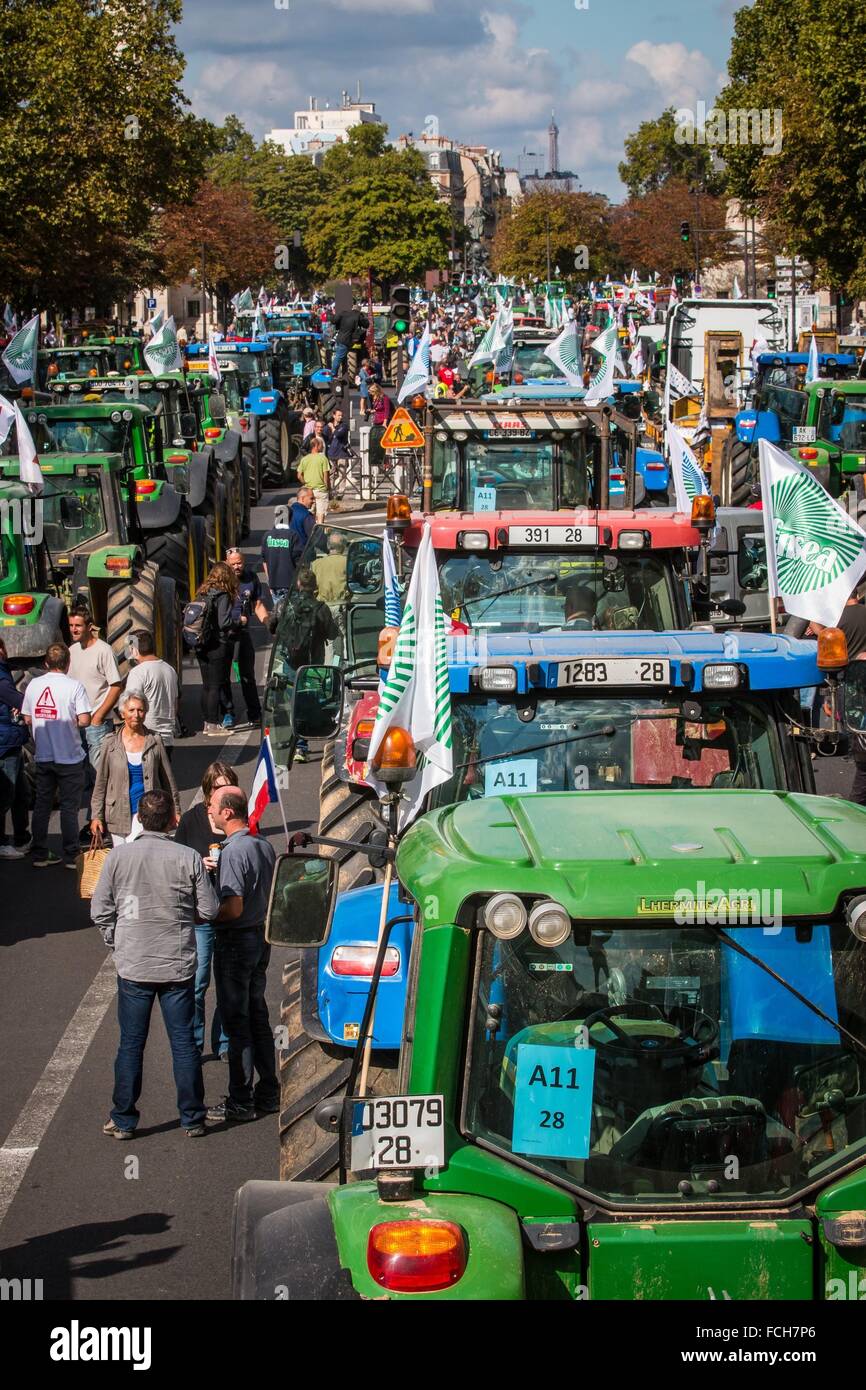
91	661
157	681
57	708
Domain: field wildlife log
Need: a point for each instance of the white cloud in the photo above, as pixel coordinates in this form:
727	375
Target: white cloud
682	76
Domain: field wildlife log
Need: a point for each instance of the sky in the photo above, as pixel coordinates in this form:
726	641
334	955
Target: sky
491	73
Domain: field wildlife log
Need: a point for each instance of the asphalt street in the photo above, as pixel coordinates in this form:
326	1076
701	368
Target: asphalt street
91	1217
150	1219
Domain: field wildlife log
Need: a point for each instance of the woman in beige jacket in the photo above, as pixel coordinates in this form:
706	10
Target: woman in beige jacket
132	761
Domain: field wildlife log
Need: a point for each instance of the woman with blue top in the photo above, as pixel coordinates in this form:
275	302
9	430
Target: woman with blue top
132	761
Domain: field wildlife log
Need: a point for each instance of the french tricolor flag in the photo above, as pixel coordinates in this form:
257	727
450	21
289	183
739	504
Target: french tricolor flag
264	791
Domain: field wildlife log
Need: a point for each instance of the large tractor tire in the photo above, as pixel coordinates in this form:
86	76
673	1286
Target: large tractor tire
311	1072
169	633
170	552
346	812
736	473
196	553
214	521
131	608
276	449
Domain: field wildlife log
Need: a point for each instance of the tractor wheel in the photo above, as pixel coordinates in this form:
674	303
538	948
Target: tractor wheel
736	484
327	403
170	553
169	636
244	483
131	608
311	1072
214	521
346	812
196	553
250	461
274	434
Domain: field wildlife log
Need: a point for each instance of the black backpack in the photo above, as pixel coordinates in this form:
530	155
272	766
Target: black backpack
298	628
198	622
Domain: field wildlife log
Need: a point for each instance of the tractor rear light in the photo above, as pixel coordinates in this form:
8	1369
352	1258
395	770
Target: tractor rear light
212	433
16	605
143	489
116	563
361	740
244	423
416	1256
176	458
807	455
655	467
832	649
267	400
360	961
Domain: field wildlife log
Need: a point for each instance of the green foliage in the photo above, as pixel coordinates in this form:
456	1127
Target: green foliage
653	157
806	58
379	213
573	219
93	137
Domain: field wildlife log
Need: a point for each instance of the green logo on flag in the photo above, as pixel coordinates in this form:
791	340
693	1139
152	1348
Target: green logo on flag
165	352
814	547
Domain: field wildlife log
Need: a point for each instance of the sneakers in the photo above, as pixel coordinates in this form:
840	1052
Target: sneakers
226	1111
10	852
214	731
71	864
301	756
114	1132
195	1131
228	721
44	859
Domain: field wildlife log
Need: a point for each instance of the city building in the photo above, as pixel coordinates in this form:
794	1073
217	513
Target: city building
472	180
318	128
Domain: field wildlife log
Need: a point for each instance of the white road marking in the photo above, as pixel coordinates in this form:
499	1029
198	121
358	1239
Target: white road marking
44	1101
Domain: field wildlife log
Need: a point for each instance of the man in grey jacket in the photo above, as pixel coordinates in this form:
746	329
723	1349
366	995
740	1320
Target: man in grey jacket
149	897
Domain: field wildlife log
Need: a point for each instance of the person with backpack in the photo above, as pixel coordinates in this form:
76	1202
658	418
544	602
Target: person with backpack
306	625
208	629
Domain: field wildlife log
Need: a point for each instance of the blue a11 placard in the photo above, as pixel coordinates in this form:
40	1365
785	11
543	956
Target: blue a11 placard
484	500
553	1101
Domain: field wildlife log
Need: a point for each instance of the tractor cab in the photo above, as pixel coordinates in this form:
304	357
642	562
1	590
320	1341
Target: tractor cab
60	364
297	361
31	618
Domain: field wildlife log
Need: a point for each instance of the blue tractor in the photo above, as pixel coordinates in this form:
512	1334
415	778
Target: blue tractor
299	371
277	425
776	412
573	710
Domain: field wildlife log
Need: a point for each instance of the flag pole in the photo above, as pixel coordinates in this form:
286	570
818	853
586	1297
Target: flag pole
279	788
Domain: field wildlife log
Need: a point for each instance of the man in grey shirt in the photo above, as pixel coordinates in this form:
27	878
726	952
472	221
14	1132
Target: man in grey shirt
240	961
155	679
149	897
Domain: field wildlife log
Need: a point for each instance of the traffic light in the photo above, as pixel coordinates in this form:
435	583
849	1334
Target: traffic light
401	312
685	231
771	289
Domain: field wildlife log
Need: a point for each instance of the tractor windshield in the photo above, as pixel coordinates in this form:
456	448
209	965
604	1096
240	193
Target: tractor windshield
529	593
650	1064
529	361
517	473
789	407
72	512
84	436
297	352
230	386
566	744
76	362
253	368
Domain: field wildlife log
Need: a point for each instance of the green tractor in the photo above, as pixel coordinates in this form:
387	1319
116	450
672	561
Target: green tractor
831	440
92	544
31	618
633	1063
187	469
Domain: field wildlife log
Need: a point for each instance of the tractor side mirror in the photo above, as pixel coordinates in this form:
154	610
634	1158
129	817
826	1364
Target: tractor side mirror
317	702
364	572
188	424
71	513
854	696
732	607
217	407
302	900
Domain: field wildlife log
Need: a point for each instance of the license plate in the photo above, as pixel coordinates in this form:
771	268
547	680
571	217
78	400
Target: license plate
619	670
804	434
398	1132
552	535
509	434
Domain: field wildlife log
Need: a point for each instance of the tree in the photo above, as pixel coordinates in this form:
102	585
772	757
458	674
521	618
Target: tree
653	156
223	230
646	231
93	137
380	213
803	59
571	220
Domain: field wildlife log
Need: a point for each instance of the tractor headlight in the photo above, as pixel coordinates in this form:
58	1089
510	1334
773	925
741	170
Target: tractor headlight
727	677
855	915
505	916
549	924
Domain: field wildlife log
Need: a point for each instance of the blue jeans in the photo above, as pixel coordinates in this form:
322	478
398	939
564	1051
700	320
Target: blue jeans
204	936
13	796
341	352
240	967
134	1007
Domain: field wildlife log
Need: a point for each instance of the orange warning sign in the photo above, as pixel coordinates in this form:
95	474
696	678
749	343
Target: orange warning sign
402	432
